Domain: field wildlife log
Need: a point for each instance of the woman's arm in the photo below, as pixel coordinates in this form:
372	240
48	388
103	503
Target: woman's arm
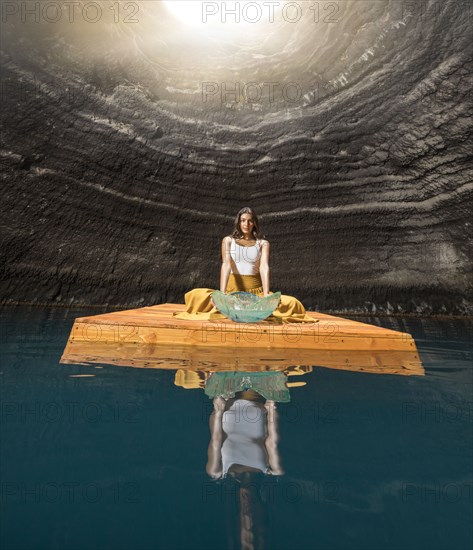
272	440
214	452
264	267
226	266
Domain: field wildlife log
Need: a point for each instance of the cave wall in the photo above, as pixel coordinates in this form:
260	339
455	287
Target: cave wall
125	155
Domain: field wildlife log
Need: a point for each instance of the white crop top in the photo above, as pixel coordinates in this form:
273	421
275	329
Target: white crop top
245	425
245	260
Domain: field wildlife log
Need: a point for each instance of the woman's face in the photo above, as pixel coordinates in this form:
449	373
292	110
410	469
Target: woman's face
246	223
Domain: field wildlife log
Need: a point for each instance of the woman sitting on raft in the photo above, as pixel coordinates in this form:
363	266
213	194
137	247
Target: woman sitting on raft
245	268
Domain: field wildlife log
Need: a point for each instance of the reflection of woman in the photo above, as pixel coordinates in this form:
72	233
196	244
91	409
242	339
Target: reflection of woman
244	436
245	267
243	447
243	424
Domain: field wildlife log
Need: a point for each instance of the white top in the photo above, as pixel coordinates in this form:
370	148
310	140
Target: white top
245	260
245	425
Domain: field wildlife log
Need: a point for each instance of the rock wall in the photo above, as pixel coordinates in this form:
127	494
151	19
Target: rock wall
131	138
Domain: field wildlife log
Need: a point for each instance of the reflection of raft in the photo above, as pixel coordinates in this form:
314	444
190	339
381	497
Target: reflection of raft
162	337
205	359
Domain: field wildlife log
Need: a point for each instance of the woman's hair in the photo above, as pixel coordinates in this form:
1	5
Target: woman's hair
237	234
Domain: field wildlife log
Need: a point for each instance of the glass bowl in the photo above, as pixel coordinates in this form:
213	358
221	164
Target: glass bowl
245	307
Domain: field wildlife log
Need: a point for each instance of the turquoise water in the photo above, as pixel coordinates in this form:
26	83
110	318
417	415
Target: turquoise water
117	461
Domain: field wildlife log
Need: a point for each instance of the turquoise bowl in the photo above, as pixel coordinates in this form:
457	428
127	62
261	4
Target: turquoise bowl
245	307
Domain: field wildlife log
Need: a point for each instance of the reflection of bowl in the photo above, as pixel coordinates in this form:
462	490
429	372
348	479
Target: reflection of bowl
245	307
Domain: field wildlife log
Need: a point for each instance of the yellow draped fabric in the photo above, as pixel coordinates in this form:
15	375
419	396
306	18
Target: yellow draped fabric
199	306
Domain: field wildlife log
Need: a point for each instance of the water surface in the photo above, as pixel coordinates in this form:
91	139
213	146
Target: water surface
117	460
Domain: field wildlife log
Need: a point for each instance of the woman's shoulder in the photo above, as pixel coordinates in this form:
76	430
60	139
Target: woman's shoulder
264	242
227	239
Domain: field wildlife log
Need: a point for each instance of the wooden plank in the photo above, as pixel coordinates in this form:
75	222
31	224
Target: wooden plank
216	337
135	318
125	330
155	324
160	312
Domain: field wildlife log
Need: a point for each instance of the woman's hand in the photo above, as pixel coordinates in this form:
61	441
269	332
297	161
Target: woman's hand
219	404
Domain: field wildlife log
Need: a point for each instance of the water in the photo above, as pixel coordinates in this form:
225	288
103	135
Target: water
117	460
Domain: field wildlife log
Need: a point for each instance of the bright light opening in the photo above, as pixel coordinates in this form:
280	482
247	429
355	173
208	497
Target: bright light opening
188	11
228	13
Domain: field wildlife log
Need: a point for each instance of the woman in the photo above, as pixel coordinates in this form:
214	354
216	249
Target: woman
245	267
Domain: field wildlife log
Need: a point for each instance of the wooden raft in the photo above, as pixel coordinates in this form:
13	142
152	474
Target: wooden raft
156	325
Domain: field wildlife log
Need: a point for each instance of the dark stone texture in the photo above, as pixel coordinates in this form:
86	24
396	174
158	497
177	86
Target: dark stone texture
119	180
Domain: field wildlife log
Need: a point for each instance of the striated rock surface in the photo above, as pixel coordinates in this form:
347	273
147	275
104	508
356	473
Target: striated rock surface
129	143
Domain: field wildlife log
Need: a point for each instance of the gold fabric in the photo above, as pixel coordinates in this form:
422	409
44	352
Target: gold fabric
200	308
245	283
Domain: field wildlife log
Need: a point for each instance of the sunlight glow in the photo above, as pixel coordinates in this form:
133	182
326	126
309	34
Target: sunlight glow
211	13
188	11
